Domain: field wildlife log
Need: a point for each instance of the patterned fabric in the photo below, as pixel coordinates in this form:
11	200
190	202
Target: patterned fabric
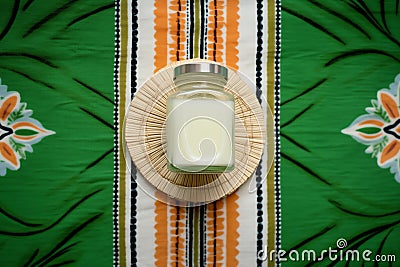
336	57
220	233
329	71
379	129
56	71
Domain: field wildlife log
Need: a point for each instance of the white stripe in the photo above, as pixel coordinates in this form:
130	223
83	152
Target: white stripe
146	41
247	38
247	55
265	106
127	157
145	227
247	241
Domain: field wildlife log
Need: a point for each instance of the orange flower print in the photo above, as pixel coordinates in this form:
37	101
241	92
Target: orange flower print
18	131
380	128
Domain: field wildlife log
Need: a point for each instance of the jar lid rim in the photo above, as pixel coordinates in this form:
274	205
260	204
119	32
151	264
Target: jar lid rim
201	67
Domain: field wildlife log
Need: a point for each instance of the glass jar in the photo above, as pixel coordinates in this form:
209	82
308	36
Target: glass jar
200	120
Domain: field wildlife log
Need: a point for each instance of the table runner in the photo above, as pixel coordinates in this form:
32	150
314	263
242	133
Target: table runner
171	31
328	70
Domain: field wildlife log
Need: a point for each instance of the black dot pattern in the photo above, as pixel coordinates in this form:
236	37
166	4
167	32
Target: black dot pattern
277	125
116	135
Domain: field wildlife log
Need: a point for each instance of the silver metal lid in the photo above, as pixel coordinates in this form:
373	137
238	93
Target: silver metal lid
201	67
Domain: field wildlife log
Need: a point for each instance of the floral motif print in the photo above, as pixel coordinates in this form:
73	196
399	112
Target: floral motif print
380	128
18	131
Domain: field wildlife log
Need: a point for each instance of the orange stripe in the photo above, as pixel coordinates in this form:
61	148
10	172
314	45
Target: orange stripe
161	40
215	230
232	234
232	33
25	124
161	251
373	136
174	25
373	122
177	22
172	22
177	234
215	25
24	138
160	61
232	214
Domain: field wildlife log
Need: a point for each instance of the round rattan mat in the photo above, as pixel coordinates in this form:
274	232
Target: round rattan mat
146	140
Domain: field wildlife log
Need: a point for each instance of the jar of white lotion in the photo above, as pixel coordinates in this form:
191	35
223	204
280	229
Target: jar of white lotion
200	120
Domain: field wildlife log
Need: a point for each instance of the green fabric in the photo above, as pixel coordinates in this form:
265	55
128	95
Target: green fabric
330	187
59	56
57	208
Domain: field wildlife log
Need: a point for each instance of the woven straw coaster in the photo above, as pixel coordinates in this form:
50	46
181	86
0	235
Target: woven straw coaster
145	138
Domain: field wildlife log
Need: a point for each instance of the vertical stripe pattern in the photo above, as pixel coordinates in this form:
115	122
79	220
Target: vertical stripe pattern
190	27
133	193
272	90
232	33
160	60
215	42
260	206
277	126
232	226
161	234
177	30
116	135
177	236
203	27
215	220
161	28
207	235
231	207
173	16
122	83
